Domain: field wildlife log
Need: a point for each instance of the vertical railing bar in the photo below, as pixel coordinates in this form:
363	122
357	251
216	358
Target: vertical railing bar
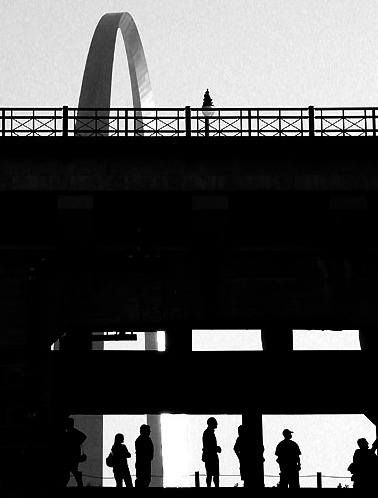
65	121
366	123
249	123
279	122
126	122
258	122
374	124
3	122
343	120
311	121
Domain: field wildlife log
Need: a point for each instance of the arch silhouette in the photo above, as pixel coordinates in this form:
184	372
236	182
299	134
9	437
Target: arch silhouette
97	79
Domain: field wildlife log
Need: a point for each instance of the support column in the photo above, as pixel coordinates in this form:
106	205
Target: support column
368	335
155	423
252	423
277	338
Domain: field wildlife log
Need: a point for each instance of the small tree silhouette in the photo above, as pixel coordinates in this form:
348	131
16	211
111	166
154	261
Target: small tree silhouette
207	100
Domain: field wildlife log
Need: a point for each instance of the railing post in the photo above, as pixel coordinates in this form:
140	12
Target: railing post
374	125
311	121
196	479
188	122
3	122
319	480
65	121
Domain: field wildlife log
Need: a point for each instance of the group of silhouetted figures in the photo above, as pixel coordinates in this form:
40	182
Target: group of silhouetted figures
72	456
362	468
288	453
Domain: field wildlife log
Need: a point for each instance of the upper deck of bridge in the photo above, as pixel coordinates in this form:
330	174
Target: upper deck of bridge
189	122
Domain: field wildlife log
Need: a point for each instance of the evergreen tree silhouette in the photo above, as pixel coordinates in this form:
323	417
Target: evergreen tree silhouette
207	100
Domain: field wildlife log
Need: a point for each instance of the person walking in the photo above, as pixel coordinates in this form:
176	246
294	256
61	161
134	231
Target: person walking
364	466
144	454
120	466
288	458
210	450
71	452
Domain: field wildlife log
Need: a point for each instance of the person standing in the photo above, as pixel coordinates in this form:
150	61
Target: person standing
73	439
144	454
120	466
210	450
242	449
288	458
364	466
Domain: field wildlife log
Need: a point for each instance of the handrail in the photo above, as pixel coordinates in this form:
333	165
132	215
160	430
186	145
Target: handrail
188	121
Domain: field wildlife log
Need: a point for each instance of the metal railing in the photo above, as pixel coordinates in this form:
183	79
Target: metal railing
188	122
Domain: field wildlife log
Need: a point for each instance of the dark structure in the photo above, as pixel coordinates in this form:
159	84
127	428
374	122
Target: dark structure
175	231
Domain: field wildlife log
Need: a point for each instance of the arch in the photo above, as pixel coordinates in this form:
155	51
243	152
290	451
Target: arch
97	79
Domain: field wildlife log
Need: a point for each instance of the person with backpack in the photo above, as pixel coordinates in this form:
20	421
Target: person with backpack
364	466
120	454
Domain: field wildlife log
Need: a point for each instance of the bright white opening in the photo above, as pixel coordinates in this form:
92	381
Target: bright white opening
226	340
161	340
326	340
327	443
174	432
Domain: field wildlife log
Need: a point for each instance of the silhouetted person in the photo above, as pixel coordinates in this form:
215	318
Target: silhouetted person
288	458
242	449
364	466
120	466
73	439
144	453
210	451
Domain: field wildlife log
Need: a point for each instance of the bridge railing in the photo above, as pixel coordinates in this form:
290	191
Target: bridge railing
189	122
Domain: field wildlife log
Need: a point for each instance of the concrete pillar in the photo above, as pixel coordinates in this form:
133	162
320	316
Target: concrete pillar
277	338
92	426
368	335
154	422
178	339
252	423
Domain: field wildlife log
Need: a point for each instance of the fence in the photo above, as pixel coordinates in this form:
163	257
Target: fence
188	122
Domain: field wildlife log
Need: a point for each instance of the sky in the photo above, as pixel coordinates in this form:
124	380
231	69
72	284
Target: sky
249	53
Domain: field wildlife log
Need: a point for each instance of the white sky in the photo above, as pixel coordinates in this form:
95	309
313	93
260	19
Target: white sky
247	52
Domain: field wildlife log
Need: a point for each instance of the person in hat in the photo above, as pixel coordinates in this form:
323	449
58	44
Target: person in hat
210	450
288	458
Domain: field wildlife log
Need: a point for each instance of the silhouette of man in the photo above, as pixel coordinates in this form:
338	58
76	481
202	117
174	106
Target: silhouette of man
364	466
243	452
288	458
73	439
210	450
144	453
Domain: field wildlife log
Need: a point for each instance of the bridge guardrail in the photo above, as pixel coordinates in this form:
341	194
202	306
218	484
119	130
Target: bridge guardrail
188	122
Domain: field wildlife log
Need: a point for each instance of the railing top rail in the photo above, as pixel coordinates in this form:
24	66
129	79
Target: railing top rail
272	108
